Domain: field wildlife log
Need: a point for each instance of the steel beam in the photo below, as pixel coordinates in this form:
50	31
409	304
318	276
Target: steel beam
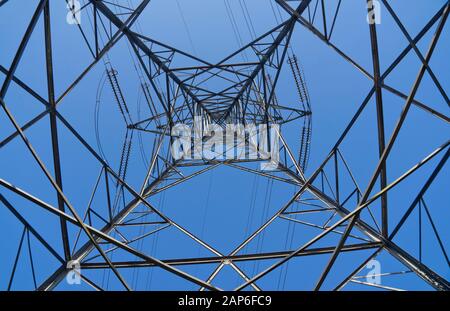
54	127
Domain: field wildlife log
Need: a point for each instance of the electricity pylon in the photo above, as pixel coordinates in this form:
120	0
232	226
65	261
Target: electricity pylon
179	88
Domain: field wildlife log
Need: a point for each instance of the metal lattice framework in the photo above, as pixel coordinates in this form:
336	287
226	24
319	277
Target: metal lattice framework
178	87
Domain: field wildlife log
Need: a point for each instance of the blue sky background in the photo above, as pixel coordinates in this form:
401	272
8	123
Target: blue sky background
224	205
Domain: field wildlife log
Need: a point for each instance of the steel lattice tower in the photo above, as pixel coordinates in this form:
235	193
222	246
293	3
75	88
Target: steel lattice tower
107	232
